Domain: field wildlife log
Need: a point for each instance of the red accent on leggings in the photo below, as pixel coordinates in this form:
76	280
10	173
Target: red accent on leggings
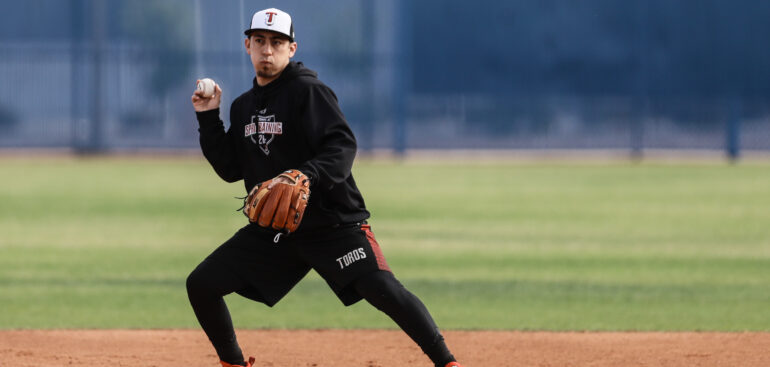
381	263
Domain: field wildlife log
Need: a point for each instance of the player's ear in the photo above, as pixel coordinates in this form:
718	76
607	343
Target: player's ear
247	43
292	49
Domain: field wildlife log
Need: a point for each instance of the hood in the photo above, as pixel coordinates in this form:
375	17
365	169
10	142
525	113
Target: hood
292	71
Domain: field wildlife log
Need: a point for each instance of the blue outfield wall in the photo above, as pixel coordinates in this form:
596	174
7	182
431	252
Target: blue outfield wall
432	74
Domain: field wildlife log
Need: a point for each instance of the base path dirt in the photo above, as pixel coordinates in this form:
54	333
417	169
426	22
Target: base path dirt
380	348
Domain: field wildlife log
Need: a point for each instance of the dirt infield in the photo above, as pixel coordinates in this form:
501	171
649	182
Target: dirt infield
378	348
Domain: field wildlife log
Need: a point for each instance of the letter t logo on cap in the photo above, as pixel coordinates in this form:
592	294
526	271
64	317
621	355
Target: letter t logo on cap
269	17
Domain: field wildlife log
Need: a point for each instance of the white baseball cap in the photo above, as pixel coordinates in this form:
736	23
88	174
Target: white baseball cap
272	20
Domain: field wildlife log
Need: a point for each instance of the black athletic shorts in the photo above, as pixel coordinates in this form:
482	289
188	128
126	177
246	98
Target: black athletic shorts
340	255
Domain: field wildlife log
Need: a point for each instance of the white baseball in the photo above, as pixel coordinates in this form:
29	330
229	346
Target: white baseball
206	85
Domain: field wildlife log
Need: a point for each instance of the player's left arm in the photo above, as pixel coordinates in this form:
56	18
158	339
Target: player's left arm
329	137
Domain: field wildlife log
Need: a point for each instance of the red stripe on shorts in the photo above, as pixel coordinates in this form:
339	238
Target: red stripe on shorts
381	263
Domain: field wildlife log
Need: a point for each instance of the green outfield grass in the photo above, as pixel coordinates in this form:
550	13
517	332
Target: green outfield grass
108	243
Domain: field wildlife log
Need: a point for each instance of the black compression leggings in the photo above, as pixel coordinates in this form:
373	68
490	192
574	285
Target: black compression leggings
210	282
206	286
387	294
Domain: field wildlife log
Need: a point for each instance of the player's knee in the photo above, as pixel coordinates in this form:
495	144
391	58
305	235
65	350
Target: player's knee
193	282
381	289
198	283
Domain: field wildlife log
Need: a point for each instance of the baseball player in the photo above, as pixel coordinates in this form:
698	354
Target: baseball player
290	144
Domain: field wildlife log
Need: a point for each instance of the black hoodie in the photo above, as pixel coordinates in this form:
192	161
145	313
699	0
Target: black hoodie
294	122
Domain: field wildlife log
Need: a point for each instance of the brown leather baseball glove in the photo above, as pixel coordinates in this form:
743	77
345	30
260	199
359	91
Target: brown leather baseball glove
282	205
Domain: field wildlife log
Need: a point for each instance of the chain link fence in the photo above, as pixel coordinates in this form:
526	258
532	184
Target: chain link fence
96	75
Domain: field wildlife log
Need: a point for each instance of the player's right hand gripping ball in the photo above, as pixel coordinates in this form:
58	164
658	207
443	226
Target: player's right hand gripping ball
282	206
207	86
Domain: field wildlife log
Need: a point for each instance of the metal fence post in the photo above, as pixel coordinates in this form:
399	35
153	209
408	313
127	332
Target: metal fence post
402	75
733	141
76	72
367	78
95	141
